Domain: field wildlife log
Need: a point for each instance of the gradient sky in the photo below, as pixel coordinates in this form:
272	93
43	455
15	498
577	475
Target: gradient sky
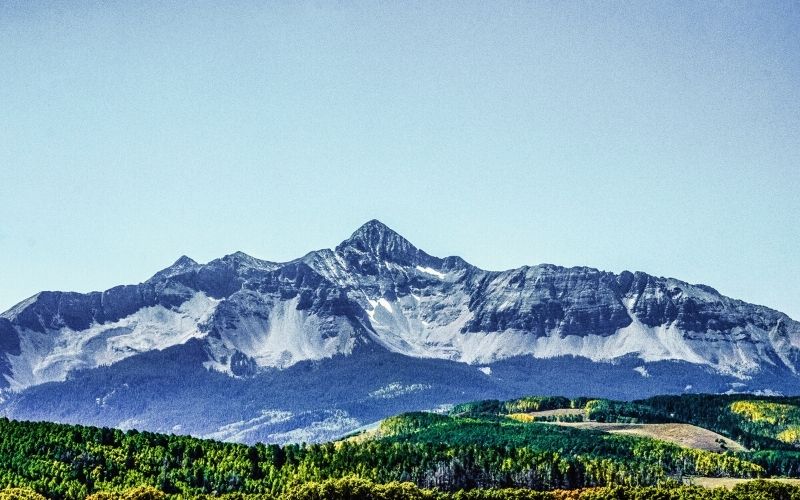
662	137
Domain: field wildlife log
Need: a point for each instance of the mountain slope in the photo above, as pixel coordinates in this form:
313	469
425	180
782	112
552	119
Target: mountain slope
383	314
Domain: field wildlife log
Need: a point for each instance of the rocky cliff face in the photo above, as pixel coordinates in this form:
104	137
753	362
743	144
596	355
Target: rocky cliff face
376	292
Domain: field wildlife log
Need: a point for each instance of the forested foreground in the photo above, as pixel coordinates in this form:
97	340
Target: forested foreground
476	451
430	451
352	487
767	425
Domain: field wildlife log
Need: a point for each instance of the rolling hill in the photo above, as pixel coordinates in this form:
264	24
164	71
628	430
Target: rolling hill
475	450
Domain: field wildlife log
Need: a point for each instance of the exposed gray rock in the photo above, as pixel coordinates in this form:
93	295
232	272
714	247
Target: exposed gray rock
244	318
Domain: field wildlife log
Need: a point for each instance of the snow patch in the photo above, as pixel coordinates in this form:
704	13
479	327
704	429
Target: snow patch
287	336
485	369
442	409
238	431
431	325
431	271
130	423
103	401
337	424
50	356
396	389
768	392
425	326
385	304
641	370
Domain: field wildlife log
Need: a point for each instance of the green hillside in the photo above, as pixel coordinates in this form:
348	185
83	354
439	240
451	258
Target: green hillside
479	450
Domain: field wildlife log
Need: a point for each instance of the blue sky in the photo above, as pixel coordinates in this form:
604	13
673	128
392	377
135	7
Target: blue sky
659	136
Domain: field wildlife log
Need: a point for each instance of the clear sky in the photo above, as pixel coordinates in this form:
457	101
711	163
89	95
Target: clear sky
661	137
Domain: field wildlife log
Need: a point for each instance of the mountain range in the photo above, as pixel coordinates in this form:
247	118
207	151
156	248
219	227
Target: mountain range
249	350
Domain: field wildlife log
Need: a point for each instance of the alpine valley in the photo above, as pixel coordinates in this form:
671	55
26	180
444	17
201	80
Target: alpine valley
242	349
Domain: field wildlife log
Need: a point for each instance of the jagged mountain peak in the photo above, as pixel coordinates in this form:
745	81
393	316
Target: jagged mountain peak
185	260
375	232
181	265
238	257
378	289
241	260
381	242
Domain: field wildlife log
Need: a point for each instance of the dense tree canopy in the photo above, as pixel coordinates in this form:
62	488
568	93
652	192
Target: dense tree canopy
476	451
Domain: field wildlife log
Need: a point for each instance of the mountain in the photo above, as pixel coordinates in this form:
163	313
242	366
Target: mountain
245	349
